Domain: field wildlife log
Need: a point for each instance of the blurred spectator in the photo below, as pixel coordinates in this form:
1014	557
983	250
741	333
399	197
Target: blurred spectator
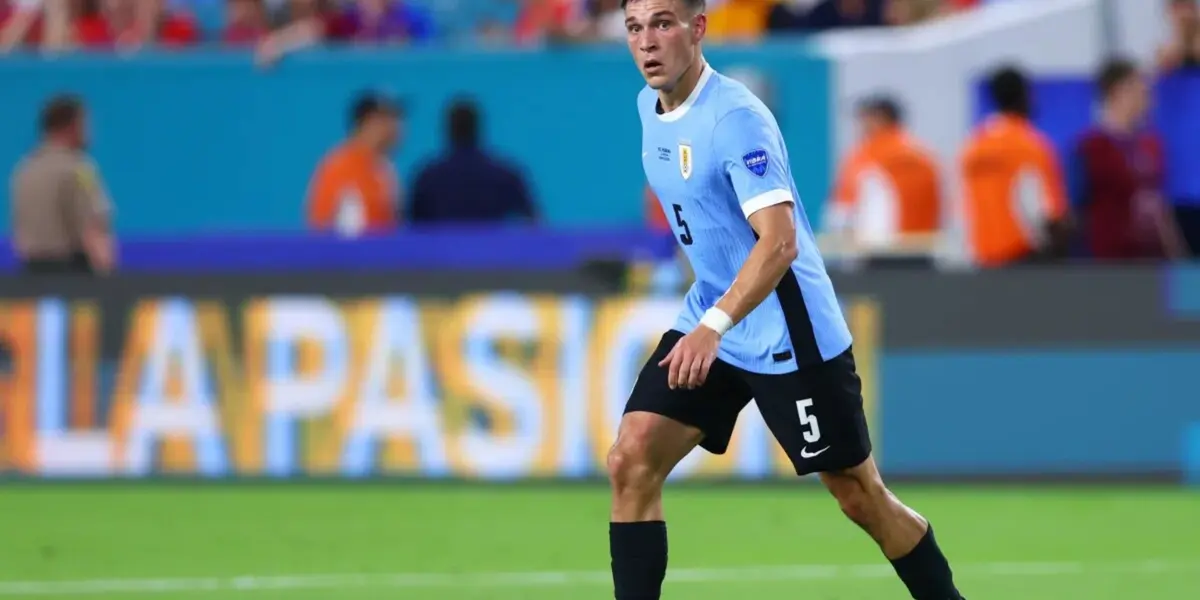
300	24
247	22
544	20
45	24
606	21
739	20
355	189
797	16
788	15
61	212
467	184
888	197
959	5
1182	50
1118	175
130	24
97	24
1015	201
387	22
899	13
19	23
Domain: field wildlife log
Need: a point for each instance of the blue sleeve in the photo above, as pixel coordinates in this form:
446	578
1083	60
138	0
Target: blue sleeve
751	154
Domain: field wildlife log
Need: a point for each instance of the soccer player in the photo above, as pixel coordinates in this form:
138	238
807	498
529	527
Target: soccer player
760	322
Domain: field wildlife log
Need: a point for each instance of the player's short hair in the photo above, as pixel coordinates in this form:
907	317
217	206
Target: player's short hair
883	106
60	112
462	122
370	104
1113	74
1009	89
694	6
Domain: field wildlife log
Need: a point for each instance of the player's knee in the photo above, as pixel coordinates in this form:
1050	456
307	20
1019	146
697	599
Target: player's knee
861	501
630	468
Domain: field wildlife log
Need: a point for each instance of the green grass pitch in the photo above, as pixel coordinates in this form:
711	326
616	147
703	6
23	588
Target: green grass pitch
542	542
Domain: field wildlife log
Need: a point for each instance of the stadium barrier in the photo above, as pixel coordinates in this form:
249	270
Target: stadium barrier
205	141
1023	374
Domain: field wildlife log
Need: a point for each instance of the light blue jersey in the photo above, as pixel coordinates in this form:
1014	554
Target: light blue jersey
713	162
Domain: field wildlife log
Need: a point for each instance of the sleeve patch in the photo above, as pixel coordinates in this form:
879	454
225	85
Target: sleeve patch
757	161
86	177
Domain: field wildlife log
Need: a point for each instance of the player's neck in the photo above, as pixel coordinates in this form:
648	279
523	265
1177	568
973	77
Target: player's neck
676	96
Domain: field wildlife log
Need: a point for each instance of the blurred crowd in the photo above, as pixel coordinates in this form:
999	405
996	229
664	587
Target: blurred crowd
275	27
1010	197
1020	198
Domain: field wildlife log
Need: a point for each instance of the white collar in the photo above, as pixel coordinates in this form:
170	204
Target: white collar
682	109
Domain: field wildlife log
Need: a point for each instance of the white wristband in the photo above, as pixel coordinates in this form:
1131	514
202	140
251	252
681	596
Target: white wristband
716	320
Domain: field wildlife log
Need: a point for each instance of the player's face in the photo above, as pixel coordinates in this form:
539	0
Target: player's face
664	38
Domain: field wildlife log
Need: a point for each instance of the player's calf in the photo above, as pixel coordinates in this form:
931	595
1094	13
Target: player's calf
905	537
870	505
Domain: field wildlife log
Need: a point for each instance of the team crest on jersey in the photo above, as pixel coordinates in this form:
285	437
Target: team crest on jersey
685	160
757	162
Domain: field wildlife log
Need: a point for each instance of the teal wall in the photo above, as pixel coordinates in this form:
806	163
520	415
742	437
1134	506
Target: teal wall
206	142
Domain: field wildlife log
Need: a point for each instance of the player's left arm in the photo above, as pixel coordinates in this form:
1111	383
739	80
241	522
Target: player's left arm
769	259
751	155
753	159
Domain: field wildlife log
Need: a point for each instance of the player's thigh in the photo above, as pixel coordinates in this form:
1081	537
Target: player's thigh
711	409
817	415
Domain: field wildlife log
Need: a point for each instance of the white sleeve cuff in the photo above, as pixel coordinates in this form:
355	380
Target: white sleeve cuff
766	199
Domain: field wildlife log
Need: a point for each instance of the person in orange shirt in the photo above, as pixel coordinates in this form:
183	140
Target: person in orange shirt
739	20
888	196
1014	192
355	190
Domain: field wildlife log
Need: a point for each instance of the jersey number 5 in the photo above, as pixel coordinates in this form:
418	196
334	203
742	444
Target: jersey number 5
812	431
686	236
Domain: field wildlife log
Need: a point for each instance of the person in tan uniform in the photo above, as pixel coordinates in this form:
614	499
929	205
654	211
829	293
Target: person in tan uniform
61	212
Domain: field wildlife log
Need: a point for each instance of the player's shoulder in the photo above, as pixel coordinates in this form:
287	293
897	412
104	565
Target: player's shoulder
732	102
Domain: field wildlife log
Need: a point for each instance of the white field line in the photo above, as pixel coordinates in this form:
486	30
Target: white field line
252	583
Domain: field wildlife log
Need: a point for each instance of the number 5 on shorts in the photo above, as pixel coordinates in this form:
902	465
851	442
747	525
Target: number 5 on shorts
812	431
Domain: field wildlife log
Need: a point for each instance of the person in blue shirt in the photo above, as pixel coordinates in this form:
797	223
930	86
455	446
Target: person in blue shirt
761	322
